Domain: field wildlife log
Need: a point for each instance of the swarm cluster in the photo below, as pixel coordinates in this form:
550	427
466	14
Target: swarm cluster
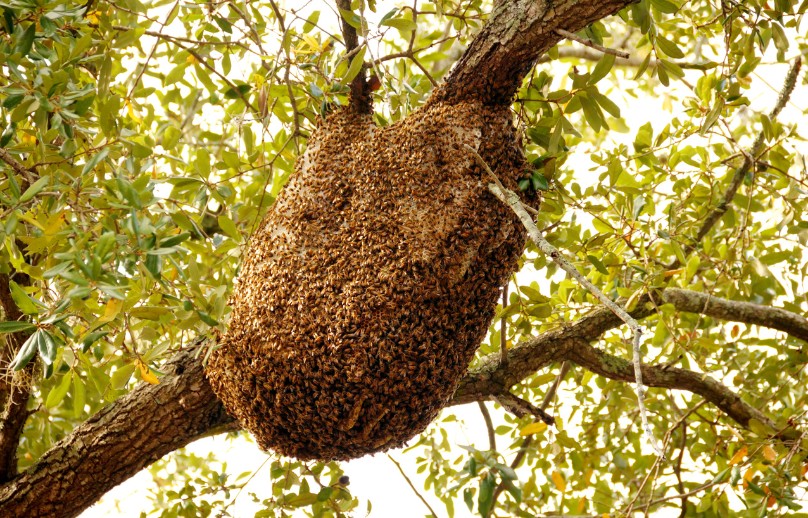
371	282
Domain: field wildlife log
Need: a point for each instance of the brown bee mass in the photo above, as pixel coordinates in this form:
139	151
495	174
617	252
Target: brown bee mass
370	284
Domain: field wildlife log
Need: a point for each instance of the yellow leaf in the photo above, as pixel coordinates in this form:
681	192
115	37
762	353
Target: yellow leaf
739	455
191	59
111	310
532	428
605	515
146	374
769	454
558	480
748	476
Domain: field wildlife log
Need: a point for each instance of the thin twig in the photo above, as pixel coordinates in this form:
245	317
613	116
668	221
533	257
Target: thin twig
489	425
417	493
521	408
503	328
749	158
512	200
18	168
606	50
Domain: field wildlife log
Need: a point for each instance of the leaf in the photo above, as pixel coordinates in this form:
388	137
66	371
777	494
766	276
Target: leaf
79	396
351	18
25	303
739	456
402	24
58	392
559	481
121	376
598	264
229	228
91	163
769	454
602	68
485	500
26	352
15	326
668	47
26	41
533	428
34	189
356	66
111	310
146	374
46	346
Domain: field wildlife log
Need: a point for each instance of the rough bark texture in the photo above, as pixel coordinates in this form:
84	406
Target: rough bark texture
116	443
16	393
517	33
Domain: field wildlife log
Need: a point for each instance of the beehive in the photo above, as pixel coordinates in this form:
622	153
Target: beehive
371	282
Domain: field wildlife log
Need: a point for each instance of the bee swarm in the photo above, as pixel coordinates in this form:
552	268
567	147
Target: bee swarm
370	284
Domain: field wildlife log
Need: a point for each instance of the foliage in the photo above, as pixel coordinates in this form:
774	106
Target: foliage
152	138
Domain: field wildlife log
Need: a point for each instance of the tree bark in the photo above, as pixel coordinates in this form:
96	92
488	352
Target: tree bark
117	442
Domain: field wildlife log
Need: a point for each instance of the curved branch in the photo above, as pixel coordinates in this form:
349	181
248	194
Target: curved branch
745	312
616	368
507	47
117	442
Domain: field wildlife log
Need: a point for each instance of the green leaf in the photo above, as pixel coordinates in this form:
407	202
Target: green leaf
598	264
353	19
25	303
602	68
26	41
34	189
356	66
402	24
121	376
14	326
485	500
668	47
46	346
26	352
58	393
92	162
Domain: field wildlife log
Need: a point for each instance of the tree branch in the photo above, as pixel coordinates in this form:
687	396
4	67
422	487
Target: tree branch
361	100
117	442
591	44
750	158
18	390
507	47
746	312
28	175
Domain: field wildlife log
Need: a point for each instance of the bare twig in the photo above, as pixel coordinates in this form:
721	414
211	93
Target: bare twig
749	158
489	425
521	408
511	199
606	50
18	168
503	328
409	482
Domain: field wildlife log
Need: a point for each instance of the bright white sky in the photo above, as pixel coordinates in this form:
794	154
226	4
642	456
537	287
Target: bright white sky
376	478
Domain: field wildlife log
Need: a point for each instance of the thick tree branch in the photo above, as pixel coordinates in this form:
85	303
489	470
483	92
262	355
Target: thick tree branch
507	47
746	312
16	392
117	442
